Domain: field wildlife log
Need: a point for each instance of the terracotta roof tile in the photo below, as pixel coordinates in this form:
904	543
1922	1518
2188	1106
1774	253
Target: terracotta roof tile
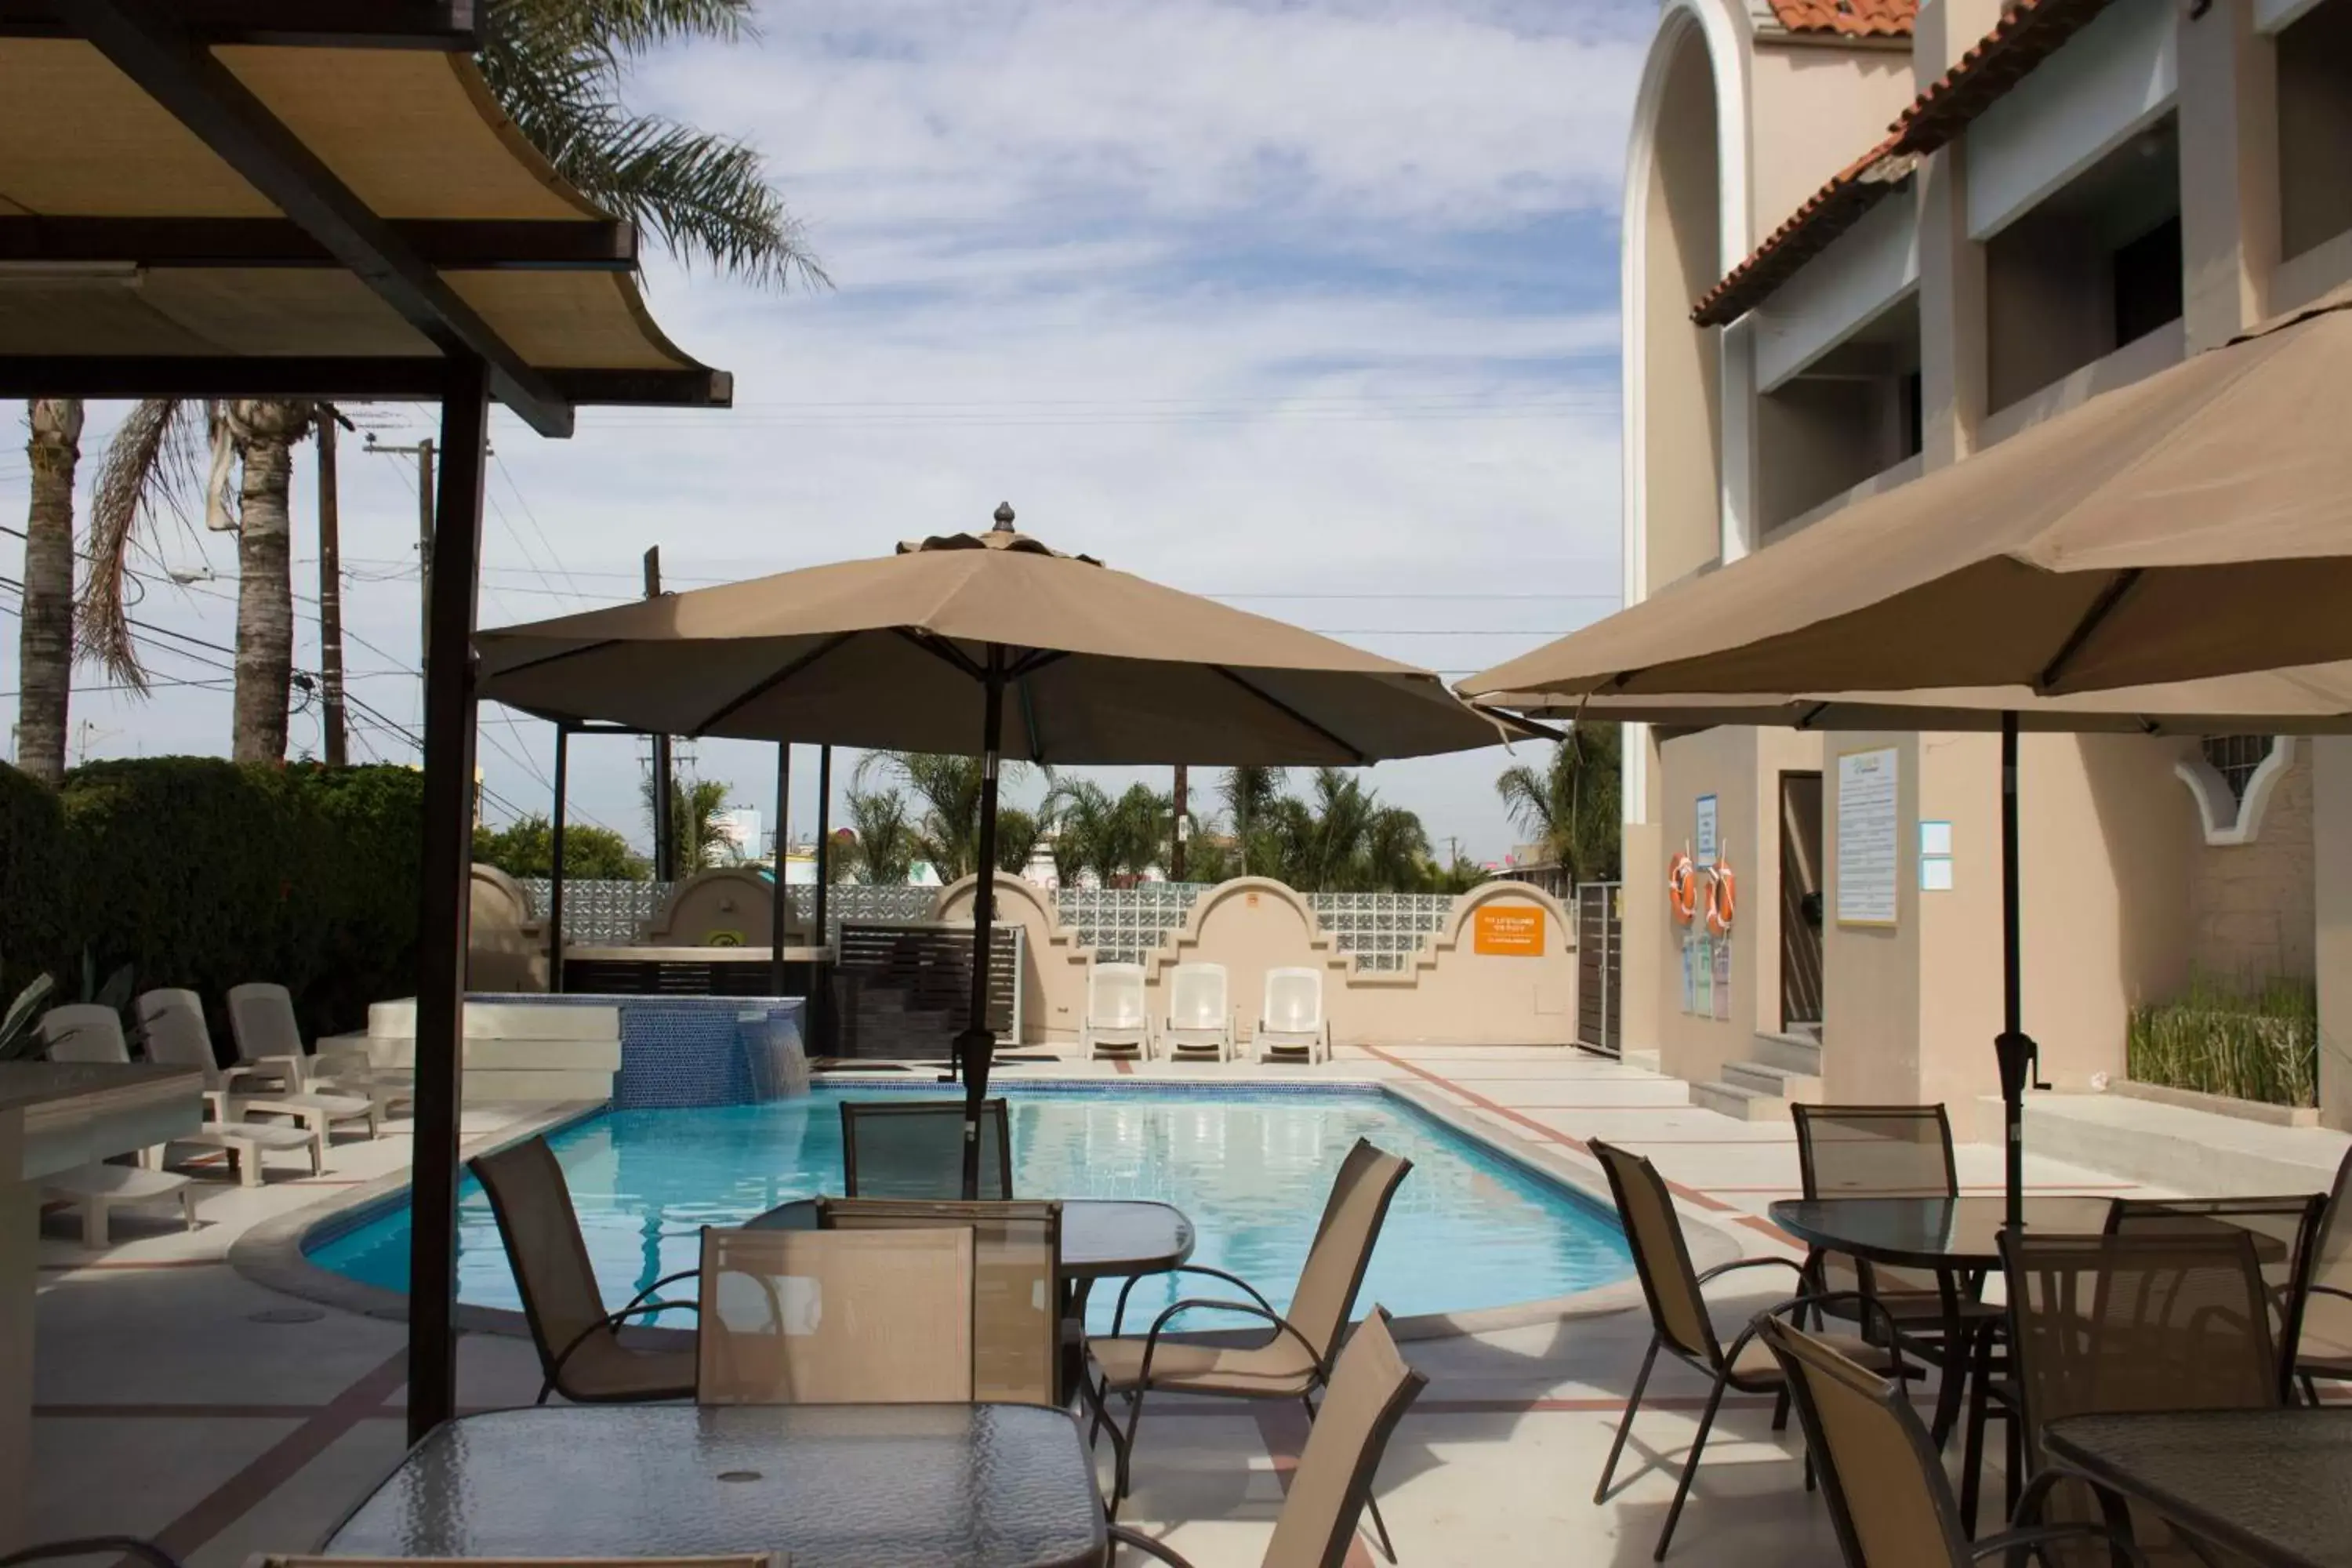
2029	32
1854	18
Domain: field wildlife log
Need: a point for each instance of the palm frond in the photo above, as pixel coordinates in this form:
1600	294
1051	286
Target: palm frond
156	457
556	68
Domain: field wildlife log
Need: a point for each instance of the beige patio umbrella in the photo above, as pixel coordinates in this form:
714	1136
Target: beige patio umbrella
2195	525
985	643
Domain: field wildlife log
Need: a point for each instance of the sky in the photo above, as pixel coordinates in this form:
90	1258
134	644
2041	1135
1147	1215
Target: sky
1307	304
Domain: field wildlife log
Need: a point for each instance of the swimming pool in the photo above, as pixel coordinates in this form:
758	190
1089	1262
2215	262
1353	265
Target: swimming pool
1469	1228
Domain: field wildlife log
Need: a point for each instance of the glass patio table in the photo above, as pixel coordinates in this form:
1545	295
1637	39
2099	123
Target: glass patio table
926	1486
2274	1487
1957	1238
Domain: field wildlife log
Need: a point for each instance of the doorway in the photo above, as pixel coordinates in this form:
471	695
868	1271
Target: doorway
1801	903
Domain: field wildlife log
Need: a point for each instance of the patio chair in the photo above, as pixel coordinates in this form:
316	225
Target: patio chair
836	1317
1880	1472
1116	1024
1291	1026
174	1024
2323	1347
1017	1285
1200	1024
1370	1389
581	1354
1292	1362
1882	1151
243	1141
83	1032
2283	1229
1681	1326
2164	1320
269	1043
914	1149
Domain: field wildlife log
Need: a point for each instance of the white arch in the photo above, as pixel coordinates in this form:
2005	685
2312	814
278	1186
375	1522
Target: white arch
1723	26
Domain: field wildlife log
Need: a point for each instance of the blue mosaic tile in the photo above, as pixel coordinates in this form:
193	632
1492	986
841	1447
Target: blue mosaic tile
692	1051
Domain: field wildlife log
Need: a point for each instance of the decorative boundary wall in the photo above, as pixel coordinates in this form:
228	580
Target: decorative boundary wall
1443	990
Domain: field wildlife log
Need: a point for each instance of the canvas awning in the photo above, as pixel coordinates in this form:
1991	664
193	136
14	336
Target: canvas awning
190	189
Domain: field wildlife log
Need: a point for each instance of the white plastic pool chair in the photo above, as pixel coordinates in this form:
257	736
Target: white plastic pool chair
173	1022
1292	1028
1117	1024
88	1033
269	1050
1200	1016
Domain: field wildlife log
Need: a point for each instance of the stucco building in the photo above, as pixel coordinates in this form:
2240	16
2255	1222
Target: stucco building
1866	239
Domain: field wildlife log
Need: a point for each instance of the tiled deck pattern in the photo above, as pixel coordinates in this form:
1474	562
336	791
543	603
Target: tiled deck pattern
175	1399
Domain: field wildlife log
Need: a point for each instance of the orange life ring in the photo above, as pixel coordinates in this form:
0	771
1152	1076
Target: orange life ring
1722	897
1682	887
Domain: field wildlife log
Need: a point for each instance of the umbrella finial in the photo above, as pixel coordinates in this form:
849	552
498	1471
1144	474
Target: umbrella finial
1005	517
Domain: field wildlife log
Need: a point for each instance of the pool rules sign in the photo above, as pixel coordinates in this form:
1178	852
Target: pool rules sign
1867	842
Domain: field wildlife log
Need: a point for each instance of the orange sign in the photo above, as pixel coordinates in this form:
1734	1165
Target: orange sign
1507	930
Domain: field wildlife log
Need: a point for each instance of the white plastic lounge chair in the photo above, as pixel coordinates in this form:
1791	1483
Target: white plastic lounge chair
1117	1024
1199	1018
1292	1028
88	1033
174	1024
269	1045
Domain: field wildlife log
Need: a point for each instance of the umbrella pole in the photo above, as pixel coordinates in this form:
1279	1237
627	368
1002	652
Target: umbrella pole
976	1047
2013	1048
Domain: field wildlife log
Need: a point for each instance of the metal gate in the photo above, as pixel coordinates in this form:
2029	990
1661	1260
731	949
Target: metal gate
1600	911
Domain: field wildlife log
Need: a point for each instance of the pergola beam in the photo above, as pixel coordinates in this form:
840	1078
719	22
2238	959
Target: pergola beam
418	377
155	49
455	245
449	25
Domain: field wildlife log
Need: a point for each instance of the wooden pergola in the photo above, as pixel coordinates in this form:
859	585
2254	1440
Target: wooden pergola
287	198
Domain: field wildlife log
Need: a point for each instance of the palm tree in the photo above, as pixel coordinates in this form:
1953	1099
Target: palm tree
886	844
696	807
1018	833
1250	794
556	68
45	639
947	789
1083	832
1571	808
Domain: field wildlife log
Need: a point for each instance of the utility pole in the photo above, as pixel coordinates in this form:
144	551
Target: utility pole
423	453
1176	851
331	588
664	821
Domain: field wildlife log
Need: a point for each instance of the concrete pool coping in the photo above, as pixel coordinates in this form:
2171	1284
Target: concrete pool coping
274	1253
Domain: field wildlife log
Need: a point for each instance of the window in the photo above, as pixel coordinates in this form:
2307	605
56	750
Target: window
2147	281
2314	127
2235	758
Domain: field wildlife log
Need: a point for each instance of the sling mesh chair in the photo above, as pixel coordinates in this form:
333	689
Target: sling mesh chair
1370	1388
581	1354
1884	1152
2282	1230
1017	1285
915	1148
2324	1349
1295	1361
1681	1327
836	1317
1889	1501
2164	1320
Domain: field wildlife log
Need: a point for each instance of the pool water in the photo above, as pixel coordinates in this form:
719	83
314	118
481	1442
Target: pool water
1468	1228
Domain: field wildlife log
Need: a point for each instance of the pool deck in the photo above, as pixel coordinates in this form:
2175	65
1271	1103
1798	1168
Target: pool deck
176	1398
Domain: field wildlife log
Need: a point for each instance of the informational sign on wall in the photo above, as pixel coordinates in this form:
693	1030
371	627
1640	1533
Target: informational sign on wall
1690	973
1723	977
1507	930
1868	846
1702	967
1935	856
1707	848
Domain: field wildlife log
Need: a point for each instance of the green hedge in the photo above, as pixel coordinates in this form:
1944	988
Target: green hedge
206	874
32	935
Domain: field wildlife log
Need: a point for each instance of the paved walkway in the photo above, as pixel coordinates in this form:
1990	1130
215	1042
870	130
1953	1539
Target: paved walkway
178	1400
